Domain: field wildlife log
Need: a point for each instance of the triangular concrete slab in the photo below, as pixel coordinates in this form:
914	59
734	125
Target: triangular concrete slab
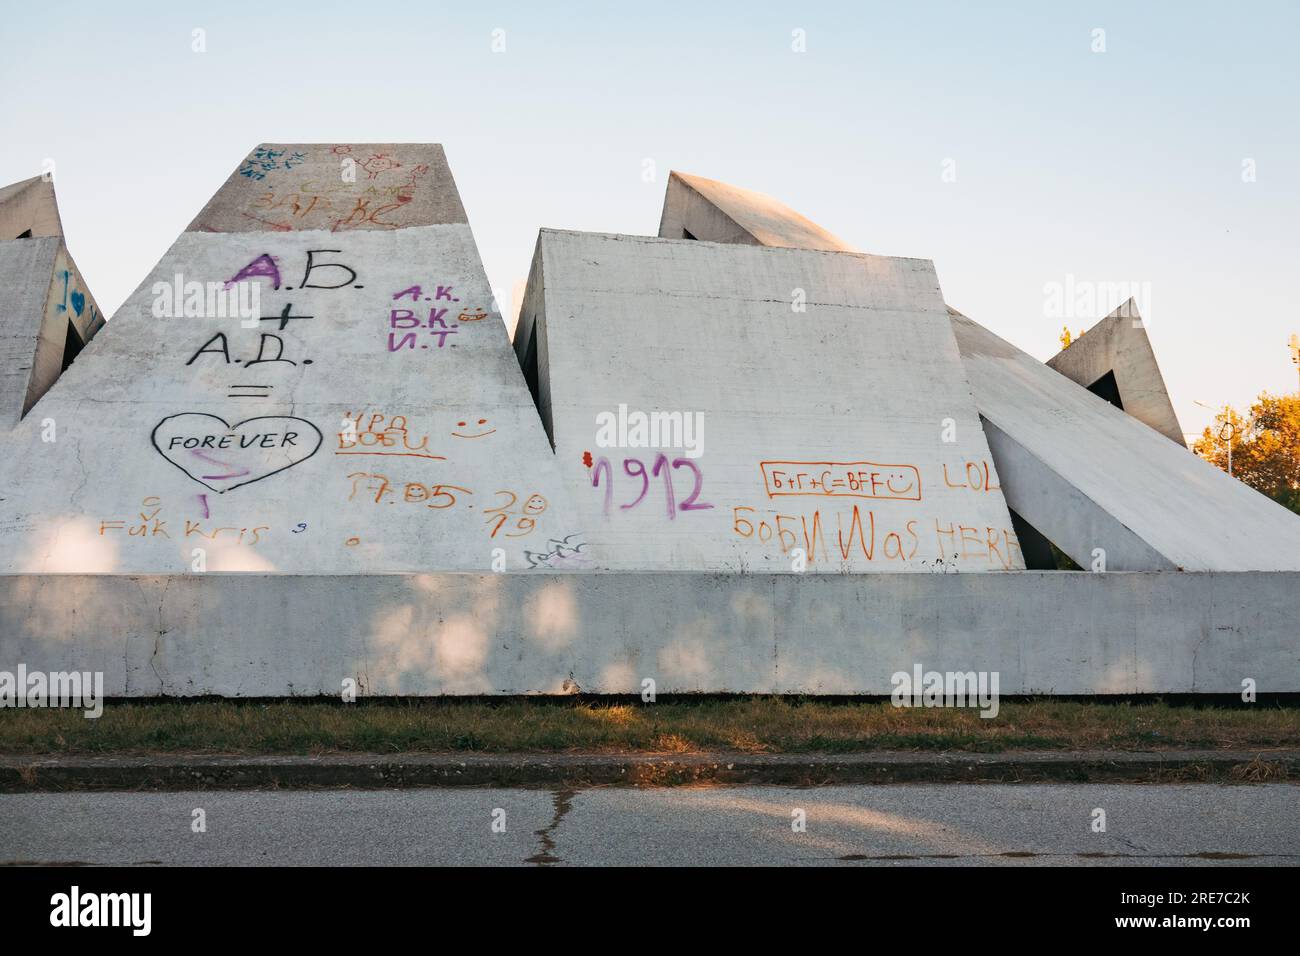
369	418
1098	483
699	208
29	210
46	316
1115	355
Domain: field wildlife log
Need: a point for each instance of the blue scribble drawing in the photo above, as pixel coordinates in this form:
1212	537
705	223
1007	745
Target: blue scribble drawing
63	306
265	161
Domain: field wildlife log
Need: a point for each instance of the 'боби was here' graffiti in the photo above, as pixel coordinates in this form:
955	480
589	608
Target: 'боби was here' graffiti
865	511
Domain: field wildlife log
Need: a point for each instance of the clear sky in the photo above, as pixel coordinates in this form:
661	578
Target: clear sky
1122	166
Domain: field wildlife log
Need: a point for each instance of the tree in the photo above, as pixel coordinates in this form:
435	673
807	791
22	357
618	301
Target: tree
1265	446
1066	338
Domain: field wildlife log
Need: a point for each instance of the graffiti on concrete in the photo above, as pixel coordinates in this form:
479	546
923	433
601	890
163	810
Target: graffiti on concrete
635	468
856	479
319	198
150	522
410	323
521	519
265	160
222	457
380	434
563	554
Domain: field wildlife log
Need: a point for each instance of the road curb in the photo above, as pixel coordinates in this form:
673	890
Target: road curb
375	771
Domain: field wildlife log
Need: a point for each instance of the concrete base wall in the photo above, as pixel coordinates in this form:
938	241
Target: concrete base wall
462	633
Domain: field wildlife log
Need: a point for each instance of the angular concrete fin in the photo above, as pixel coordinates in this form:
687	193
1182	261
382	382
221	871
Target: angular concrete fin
29	210
1099	483
1114	359
46	316
530	342
704	421
1073	486
311	380
705	209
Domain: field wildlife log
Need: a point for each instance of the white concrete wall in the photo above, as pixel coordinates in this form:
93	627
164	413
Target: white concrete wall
157	449
1043	632
866	381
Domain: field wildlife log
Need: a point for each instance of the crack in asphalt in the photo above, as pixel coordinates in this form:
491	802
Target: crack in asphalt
77	863
563	800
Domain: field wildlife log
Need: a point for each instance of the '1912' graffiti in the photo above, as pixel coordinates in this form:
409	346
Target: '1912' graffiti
635	468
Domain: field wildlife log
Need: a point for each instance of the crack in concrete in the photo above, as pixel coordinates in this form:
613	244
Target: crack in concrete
85	474
157	642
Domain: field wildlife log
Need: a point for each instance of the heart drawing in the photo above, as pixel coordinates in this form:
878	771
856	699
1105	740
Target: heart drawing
223	457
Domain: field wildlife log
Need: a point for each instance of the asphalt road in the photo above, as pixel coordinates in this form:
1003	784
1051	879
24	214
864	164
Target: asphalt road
898	825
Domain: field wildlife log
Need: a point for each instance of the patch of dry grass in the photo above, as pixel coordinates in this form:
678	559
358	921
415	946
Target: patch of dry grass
749	724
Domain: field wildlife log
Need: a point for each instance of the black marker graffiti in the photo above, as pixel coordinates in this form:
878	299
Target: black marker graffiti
562	554
261	351
250	391
219	345
284	317
312	265
223	457
223	351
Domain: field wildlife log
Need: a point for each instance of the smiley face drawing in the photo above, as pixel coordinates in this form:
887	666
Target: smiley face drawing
483	434
379	163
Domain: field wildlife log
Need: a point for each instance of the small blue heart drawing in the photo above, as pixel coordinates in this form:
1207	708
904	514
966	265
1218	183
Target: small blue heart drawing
78	302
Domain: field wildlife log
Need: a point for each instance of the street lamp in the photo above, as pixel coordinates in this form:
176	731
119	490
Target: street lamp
1294	343
1227	428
